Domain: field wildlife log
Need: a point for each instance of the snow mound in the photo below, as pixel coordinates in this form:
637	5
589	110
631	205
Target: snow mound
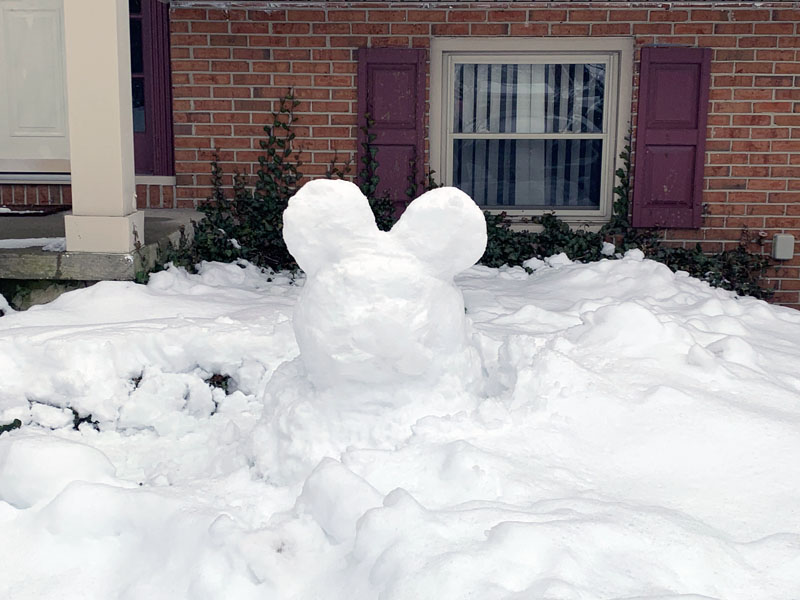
35	467
635	435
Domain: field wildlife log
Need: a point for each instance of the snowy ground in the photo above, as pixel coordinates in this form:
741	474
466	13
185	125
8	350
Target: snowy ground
636	435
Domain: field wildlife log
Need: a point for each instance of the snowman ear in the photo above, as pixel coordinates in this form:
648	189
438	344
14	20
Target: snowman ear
445	229
323	218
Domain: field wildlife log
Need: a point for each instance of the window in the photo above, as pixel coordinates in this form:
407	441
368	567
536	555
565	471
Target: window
530	126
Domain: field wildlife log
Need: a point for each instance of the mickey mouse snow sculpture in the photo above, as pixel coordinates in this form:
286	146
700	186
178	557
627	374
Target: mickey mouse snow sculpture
381	307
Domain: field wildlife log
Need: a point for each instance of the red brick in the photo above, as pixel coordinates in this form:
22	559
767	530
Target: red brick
750	222
733	107
350	16
749	171
734	54
466	16
725	184
384	16
766	184
588	15
266	15
747	196
695	28
749	94
212	130
250	28
251	53
427	16
537	15
762	41
774	28
672	16
210	27
720	120
709	15
652	28
730	132
786	146
627	15
772	107
786	67
727	81
341	28
336	55
266	41
290	28
717	41
178	26
190	65
231	117
450	29
389	42
769	159
758	120
211	78
733	28
508	16
332	81
489	29
611	29
312	94
218	53
771	132
230	65
776	55
529	29
750	15
785	15
188	40
753	67
559	29
344	41
765	209
188	91
750	146
305	16
793	172
231	92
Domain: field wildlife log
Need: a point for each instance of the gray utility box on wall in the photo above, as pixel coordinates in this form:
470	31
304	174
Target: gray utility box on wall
782	246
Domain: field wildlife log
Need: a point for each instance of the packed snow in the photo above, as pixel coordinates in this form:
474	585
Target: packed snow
381	307
56	244
633	433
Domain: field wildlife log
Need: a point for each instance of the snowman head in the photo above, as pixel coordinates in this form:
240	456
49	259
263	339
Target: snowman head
328	220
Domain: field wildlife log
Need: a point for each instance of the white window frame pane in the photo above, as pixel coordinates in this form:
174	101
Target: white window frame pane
615	53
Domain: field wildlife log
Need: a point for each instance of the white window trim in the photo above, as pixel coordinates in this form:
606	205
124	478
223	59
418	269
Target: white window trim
619	49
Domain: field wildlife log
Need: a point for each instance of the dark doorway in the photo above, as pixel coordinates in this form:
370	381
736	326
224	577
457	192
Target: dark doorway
150	87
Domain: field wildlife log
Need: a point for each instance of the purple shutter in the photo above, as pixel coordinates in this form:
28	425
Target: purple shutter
670	137
391	89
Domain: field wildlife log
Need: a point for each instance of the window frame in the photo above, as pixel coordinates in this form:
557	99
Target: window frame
616	52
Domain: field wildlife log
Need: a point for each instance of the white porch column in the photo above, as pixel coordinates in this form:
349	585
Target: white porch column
104	216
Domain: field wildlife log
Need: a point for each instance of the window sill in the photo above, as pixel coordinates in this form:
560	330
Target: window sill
520	219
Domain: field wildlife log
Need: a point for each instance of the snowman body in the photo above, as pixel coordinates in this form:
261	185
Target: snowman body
381	307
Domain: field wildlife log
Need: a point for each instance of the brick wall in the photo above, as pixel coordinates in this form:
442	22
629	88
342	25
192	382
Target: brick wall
147	196
230	66
34	194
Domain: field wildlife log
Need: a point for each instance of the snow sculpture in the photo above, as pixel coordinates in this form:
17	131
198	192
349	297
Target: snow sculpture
381	307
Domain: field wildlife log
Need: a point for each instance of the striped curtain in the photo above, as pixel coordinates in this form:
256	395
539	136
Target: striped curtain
530	99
